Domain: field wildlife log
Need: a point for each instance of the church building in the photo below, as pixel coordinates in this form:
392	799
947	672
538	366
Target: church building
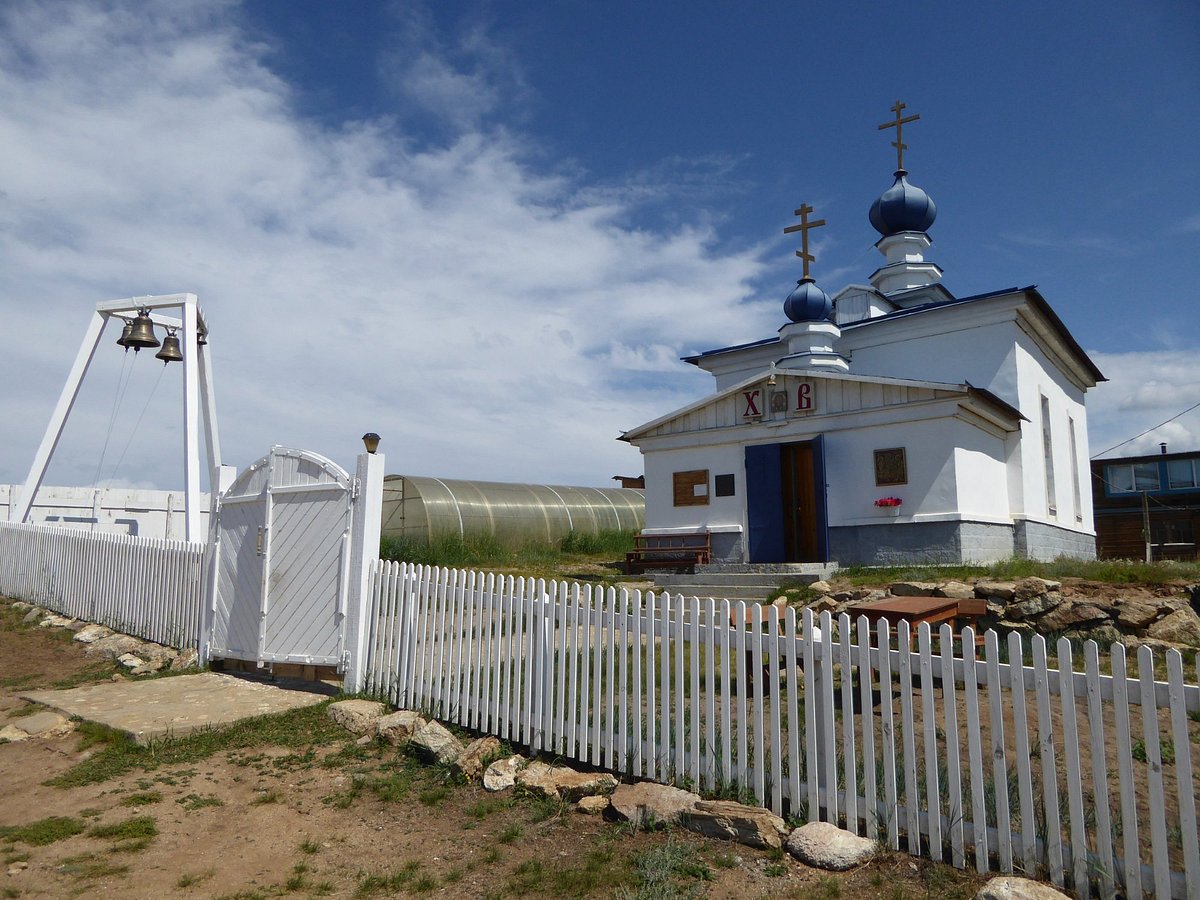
891	423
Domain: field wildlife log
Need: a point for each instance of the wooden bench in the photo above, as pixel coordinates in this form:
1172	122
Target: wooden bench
668	551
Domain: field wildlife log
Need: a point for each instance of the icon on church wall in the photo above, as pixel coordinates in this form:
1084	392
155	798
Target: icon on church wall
890	466
779	401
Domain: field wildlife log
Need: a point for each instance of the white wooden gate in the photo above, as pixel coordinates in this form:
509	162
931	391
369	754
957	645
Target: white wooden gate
282	573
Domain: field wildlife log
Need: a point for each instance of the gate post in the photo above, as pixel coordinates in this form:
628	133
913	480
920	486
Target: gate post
364	553
220	480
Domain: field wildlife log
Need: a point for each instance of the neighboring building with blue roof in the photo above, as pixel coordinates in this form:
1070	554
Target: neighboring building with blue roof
969	411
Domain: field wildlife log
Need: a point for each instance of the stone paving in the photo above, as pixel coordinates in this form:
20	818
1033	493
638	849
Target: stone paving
147	710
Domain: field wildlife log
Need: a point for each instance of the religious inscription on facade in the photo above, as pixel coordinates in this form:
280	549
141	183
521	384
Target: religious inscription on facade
890	466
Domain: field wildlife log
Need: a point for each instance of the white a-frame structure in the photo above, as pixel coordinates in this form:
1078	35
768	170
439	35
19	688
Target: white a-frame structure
199	403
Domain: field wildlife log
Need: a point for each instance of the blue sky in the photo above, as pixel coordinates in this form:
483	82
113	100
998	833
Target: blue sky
488	230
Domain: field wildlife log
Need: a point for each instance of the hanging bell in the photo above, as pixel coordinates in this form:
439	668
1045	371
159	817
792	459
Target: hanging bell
142	333
202	337
123	340
170	349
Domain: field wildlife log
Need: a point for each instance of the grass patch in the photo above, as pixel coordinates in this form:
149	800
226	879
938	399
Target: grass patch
88	866
370	884
43	831
144	798
192	802
21	711
130	829
192	879
309	846
526	878
1109	571
509	834
659	869
296	728
534	558
601	871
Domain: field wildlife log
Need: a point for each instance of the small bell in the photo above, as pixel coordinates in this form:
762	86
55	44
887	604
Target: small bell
142	333
123	340
202	337
170	349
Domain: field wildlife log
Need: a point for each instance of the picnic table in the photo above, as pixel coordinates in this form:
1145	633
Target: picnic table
915	610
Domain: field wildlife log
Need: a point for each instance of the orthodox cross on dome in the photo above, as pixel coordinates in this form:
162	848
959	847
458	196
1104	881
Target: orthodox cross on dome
803	228
898	124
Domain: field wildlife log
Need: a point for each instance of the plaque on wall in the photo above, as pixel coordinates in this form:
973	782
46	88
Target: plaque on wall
890	467
691	488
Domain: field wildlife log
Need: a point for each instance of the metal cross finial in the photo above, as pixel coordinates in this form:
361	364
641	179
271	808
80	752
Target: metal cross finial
803	228
898	125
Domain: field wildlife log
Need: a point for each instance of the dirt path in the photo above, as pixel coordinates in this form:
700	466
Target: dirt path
299	810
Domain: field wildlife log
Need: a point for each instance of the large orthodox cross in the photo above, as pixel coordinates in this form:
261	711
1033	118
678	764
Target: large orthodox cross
898	124
803	228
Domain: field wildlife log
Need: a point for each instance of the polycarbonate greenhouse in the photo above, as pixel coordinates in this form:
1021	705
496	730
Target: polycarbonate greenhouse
420	507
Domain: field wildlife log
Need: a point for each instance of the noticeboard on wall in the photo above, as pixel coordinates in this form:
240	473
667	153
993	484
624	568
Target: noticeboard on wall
691	487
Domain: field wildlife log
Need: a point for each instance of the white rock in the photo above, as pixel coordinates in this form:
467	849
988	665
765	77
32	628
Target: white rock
398	727
436	744
502	774
826	846
13	735
725	819
647	801
89	633
1009	887
356	716
592	806
470	762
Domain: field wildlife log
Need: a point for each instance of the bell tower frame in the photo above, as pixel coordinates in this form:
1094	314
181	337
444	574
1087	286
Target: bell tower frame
199	403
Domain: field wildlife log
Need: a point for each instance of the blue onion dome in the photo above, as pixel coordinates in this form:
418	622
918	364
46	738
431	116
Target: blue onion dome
902	207
807	303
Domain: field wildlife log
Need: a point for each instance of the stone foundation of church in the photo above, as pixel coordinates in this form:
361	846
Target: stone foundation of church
1037	540
920	543
928	543
726	546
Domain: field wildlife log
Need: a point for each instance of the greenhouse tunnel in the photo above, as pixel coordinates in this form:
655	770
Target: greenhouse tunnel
421	508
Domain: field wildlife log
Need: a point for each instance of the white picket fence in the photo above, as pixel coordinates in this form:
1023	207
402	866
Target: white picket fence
147	587
942	750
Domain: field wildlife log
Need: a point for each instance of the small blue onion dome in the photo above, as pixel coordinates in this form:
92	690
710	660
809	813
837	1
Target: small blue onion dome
902	207
807	303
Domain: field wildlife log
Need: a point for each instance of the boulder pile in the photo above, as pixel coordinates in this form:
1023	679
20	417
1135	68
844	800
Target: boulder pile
1041	606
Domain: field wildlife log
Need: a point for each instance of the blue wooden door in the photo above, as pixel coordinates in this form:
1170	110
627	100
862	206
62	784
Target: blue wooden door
764	503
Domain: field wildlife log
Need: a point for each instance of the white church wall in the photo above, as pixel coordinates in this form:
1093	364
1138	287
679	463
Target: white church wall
145	513
971	349
930	459
719	513
1037	379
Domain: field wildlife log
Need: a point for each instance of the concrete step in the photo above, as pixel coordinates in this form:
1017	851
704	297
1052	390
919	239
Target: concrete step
734	578
771	570
757	592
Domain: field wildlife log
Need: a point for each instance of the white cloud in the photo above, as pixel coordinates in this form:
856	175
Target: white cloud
478	311
1144	389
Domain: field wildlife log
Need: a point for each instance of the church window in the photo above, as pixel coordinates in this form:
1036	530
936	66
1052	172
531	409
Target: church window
1182	474
691	487
1133	478
1075	493
1048	453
